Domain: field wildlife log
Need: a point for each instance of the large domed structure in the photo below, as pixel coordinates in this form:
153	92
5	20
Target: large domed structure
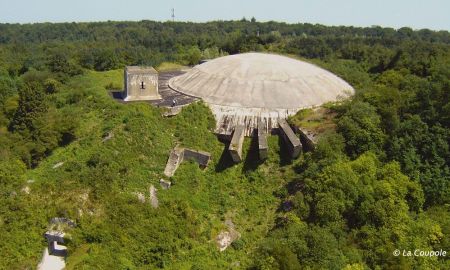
241	88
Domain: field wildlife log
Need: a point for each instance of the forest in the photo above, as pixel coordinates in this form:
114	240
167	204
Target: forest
378	179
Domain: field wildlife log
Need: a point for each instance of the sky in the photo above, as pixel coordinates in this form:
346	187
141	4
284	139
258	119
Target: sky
417	14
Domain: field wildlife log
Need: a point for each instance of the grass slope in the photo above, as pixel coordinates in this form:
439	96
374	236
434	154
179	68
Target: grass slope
97	183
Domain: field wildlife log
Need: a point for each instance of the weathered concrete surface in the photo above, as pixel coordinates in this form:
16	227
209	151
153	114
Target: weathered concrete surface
260	80
52	262
165	184
292	141
237	140
244	87
168	95
153	196
175	158
55	236
201	157
225	238
307	139
227	118
172	111
178	155
262	141
140	83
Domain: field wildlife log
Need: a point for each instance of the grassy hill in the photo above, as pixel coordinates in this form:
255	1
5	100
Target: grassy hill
98	181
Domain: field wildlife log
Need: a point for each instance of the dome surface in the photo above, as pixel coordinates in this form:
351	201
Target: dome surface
261	81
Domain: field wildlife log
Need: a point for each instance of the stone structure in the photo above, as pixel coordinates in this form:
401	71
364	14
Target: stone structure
55	238
140	83
178	155
237	140
153	196
292	141
175	158
201	157
262	141
225	238
307	139
165	184
56	235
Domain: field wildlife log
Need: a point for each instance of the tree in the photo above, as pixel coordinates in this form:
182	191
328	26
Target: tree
32	104
360	126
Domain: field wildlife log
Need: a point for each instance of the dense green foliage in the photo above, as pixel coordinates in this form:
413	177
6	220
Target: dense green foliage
380	181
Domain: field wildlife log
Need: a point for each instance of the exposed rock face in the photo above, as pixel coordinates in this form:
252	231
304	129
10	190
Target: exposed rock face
153	198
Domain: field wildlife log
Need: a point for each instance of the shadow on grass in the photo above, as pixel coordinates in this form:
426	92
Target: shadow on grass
225	160
285	155
252	160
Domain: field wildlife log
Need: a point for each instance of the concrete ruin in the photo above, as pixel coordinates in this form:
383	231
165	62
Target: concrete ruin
237	140
178	155
140	83
165	184
153	196
201	157
56	236
308	139
263	147
226	237
54	240
242	89
292	141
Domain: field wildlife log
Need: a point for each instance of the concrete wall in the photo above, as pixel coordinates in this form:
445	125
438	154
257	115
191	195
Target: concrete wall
307	140
262	141
292	141
202	158
237	140
133	79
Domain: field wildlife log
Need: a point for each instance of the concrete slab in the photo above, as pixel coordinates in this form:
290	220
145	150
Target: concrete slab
292	141
237	140
262	140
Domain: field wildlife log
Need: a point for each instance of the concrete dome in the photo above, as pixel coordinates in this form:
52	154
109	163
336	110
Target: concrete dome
245	88
259	80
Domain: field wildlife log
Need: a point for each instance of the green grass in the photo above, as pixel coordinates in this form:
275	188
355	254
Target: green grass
317	120
96	184
169	66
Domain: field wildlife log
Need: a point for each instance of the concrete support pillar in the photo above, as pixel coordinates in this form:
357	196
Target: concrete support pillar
237	140
292	141
307	140
262	141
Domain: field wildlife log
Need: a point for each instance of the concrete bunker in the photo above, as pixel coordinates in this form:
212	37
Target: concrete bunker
140	83
178	155
242	89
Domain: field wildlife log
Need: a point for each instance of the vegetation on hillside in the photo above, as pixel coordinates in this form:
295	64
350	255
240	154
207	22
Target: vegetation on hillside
379	179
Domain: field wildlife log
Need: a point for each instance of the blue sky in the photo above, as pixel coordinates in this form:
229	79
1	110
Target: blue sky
432	14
